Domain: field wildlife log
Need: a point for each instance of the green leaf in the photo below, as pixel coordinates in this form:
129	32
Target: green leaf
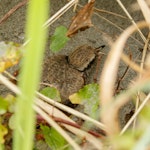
3	132
10	54
7	104
3	105
53	138
12	102
52	93
11	122
59	39
89	97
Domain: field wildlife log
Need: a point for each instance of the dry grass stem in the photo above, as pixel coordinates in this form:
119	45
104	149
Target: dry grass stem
140	75
9	75
110	103
11	11
132	64
51	110
121	100
75	6
57	127
131	19
15	89
71	111
136	7
107	82
97	144
145	9
55	112
9	84
59	13
135	114
109	12
119	28
144	52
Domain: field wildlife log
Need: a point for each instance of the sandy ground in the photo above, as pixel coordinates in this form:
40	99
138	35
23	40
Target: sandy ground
103	32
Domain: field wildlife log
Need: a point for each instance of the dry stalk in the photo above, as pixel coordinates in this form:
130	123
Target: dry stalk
110	22
132	64
54	111
108	79
145	9
146	12
59	13
11	11
122	99
131	19
109	12
135	114
57	127
71	111
118	27
140	75
52	102
16	90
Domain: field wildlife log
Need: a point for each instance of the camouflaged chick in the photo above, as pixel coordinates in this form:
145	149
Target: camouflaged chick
66	72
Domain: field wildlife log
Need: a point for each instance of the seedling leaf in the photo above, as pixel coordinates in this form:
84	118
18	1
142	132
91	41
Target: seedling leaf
89	97
53	138
59	39
3	105
10	54
3	132
52	93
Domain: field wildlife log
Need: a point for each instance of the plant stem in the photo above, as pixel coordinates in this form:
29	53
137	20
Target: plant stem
30	74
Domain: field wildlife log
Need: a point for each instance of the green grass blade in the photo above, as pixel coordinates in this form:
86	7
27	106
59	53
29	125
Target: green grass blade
30	74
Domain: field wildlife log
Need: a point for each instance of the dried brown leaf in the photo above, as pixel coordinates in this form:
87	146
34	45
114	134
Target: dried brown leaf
82	20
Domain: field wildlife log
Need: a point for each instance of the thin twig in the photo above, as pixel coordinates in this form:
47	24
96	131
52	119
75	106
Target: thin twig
132	64
59	13
71	111
64	121
120	79
52	110
135	114
11	11
109	12
46	107
14	88
131	19
118	27
108	79
140	75
57	127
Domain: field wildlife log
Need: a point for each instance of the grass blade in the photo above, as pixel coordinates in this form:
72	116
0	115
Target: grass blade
30	74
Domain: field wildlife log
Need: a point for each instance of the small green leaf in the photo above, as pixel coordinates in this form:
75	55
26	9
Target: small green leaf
52	93
10	54
12	102
7	104
89	97
3	105
11	122
53	138
59	39
3	132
